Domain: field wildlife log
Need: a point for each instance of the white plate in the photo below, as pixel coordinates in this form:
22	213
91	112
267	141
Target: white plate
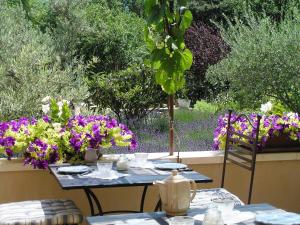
73	169
170	166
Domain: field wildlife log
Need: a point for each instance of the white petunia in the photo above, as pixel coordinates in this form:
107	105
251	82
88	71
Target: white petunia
60	104
46	108
266	107
46	99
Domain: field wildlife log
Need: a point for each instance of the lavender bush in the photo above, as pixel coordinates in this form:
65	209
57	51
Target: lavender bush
193	132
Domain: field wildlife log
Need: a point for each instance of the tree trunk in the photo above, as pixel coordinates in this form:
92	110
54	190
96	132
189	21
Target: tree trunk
171	123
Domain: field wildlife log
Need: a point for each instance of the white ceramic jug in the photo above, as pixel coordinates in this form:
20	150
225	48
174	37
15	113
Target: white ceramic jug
175	193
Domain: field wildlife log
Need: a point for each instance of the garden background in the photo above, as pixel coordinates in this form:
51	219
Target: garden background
93	54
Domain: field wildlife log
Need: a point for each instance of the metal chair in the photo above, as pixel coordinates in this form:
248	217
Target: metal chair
239	152
42	212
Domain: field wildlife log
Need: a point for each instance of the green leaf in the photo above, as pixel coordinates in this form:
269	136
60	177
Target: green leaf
161	77
155	15
156	57
54	110
66	113
186	60
170	87
186	20
182	2
149	5
148	39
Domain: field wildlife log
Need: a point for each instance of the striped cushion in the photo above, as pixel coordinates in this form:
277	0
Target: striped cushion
204	196
42	212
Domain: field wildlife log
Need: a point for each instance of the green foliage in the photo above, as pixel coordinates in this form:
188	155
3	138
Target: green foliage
96	29
130	93
187	116
207	10
115	38
164	36
60	111
206	107
30	68
264	62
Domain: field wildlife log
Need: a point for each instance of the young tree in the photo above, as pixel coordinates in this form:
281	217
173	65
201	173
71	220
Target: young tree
167	21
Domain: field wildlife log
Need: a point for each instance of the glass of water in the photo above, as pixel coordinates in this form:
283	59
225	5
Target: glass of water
141	157
224	204
104	168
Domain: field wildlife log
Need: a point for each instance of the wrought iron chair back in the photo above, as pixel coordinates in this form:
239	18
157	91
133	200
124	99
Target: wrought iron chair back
241	149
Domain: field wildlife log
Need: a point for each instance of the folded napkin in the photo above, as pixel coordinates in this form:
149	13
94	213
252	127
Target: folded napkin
234	217
105	176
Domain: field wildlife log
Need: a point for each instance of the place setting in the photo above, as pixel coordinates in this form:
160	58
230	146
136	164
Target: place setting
101	170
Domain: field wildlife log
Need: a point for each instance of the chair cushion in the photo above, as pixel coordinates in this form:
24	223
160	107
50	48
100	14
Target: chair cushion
204	196
44	212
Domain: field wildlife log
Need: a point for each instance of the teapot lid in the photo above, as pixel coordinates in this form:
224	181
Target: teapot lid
175	177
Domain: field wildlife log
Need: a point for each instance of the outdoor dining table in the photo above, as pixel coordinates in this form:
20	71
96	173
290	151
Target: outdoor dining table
160	218
134	177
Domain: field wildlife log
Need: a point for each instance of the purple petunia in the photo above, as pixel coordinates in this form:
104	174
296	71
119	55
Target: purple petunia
270	126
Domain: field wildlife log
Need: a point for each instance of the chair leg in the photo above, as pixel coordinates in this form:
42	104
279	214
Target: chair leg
252	179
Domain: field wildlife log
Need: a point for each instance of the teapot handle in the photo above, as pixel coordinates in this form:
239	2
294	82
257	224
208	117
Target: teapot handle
194	189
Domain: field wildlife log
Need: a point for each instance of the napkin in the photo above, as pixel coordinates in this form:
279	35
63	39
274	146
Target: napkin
111	176
234	217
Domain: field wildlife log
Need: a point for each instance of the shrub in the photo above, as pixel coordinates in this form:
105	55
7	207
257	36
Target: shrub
30	69
207	10
264	62
101	29
208	48
131	94
206	107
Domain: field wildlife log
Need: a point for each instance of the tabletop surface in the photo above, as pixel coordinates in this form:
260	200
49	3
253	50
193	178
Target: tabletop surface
159	218
134	177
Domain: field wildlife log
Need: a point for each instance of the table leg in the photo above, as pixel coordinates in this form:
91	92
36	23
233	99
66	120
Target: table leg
93	199
158	206
143	198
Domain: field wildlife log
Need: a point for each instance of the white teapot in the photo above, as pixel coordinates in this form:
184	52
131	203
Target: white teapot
175	193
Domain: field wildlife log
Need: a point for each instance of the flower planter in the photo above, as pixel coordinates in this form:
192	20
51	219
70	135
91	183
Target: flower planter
281	143
275	131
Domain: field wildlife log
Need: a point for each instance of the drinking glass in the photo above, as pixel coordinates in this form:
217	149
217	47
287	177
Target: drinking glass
181	220
141	157
224	204
104	168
